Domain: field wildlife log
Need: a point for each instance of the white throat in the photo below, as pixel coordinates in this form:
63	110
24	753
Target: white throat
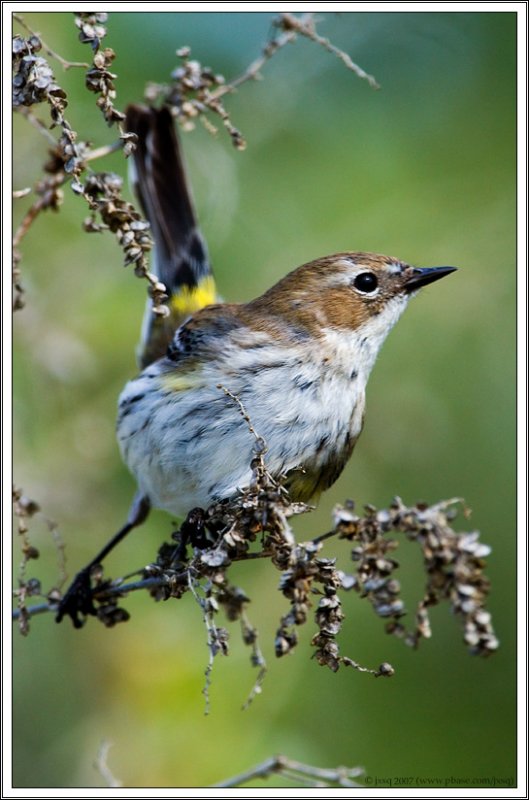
358	349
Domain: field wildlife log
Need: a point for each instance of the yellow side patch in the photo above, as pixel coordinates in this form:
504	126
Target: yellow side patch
302	486
179	382
189	299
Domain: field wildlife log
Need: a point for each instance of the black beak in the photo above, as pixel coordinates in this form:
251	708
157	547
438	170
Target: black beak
421	276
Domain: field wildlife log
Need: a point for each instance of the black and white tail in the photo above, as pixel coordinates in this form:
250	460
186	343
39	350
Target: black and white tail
180	258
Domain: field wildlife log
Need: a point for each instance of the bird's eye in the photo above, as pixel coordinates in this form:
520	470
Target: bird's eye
366	282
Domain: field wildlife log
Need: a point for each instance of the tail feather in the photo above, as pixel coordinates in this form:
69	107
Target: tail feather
180	257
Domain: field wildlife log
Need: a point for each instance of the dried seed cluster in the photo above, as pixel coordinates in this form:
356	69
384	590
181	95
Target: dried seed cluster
256	525
102	190
453	564
18	289
192	93
99	79
23	510
92	28
109	612
33	79
206	545
34	82
297	584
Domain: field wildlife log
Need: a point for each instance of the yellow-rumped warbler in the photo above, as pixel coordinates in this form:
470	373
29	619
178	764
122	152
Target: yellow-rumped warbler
298	358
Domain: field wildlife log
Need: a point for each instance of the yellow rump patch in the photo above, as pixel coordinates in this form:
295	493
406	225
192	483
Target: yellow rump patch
192	298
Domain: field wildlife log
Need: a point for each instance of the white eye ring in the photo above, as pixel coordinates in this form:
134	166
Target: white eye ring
366	283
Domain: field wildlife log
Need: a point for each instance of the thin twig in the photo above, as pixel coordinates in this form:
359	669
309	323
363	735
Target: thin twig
37	123
252	72
295	771
268	767
125	588
385	670
50	196
292	26
118	589
249	635
307	28
216	644
323	536
33	611
27	221
340	775
104	150
61	551
39	205
246	417
102	767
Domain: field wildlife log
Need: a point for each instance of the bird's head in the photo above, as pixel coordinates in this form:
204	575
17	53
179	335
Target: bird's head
352	291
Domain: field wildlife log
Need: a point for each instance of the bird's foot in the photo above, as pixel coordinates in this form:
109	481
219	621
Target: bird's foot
77	602
193	529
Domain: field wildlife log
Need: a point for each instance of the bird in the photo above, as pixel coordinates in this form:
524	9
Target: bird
297	359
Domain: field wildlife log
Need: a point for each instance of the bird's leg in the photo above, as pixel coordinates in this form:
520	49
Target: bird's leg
78	598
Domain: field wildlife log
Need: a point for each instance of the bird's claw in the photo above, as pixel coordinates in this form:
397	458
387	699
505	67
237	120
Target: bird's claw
77	603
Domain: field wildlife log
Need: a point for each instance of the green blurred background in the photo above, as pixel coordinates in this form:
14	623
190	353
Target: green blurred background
423	169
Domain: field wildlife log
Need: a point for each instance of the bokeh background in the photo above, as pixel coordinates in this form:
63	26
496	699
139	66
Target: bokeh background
423	169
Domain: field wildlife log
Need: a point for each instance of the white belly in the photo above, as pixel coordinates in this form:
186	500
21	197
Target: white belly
188	447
